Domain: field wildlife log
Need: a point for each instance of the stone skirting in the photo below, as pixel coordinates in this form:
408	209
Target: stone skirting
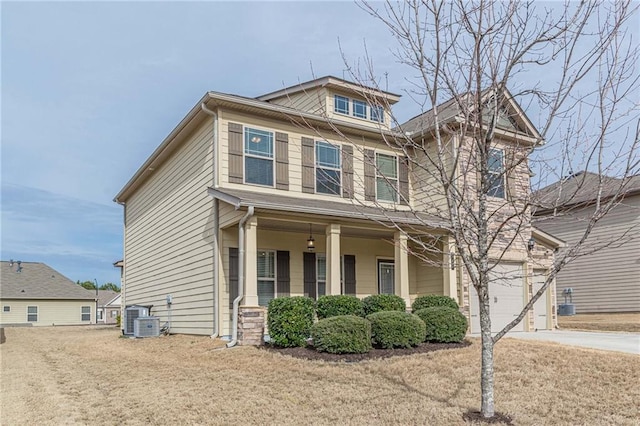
251	325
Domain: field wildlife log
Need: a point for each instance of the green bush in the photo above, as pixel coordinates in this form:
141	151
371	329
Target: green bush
395	329
118	319
431	300
344	334
383	302
444	324
332	306
290	320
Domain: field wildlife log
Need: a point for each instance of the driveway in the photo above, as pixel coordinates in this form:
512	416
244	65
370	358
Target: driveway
618	342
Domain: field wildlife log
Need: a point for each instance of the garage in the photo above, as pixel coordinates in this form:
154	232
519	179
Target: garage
506	294
541	307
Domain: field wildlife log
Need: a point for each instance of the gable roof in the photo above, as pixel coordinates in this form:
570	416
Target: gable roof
452	111
38	281
331	82
582	189
106	296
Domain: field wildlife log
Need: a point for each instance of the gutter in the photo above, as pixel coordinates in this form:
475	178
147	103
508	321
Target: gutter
216	245
237	300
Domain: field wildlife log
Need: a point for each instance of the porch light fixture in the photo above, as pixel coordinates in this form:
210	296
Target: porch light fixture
531	243
311	243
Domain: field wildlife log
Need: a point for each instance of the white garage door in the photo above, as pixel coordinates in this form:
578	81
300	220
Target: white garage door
506	295
540	307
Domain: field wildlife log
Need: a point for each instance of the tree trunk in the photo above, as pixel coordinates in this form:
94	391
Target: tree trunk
486	377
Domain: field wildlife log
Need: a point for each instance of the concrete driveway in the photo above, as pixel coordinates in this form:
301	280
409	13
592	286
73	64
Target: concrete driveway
618	342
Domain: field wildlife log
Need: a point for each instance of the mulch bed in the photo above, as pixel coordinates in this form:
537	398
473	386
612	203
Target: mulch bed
311	354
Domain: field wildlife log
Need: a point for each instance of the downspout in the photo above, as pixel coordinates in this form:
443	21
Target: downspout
216	246
237	300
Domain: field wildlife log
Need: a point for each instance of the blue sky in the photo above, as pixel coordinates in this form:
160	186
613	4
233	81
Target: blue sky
90	89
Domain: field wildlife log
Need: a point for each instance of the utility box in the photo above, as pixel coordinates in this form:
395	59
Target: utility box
146	327
566	309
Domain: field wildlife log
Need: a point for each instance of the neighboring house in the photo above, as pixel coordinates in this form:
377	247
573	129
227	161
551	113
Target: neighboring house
32	293
235	196
108	306
607	280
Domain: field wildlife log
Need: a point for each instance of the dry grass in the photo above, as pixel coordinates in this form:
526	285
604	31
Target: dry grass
80	375
602	322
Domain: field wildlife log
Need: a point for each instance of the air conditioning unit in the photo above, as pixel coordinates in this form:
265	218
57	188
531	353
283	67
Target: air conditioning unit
130	315
146	327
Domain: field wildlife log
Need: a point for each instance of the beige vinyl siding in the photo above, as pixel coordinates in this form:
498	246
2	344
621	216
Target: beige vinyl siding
313	101
50	312
426	276
228	215
169	238
427	189
608	280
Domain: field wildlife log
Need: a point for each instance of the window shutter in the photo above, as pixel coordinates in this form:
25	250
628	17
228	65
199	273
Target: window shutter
309	274
235	153
347	171
233	275
403	179
349	261
284	277
282	161
308	166
369	175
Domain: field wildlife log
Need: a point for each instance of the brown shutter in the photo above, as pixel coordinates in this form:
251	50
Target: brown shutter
349	274
308	166
309	263
233	275
403	179
283	278
369	175
235	153
282	161
347	171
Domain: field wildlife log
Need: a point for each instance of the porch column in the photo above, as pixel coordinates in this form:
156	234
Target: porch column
333	259
401	272
250	262
449	275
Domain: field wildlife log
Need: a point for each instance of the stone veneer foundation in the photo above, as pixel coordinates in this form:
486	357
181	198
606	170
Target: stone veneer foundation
251	325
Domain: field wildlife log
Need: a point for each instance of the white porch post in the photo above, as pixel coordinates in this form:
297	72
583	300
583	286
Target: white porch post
449	275
401	271
333	259
250	263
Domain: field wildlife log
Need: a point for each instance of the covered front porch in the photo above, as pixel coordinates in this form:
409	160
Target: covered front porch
269	252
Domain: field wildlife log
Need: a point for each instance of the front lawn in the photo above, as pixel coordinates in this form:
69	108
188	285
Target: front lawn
80	375
602	322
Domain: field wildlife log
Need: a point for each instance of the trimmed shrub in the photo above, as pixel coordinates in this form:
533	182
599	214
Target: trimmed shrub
383	302
290	320
431	300
334	305
444	324
344	334
395	329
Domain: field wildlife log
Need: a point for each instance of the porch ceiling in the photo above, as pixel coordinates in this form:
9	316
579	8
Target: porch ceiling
318	229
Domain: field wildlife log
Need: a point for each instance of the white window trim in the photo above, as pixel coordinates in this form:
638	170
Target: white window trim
381	176
501	173
381	115
275	270
82	313
6	308
335	104
318	256
379	261
37	313
245	155
316	167
367	108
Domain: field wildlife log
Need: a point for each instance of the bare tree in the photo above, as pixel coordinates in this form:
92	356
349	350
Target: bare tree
572	67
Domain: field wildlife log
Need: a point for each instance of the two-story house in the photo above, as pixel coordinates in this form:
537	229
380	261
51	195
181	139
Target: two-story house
295	192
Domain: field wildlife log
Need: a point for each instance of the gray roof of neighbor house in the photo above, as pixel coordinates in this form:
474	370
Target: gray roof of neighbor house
106	296
582	189
240	198
38	281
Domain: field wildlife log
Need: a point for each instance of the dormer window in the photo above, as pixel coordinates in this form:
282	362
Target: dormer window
377	113
359	109
341	104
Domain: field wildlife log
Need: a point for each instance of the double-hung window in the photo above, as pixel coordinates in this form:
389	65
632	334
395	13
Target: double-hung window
32	313
496	173
359	109
321	274
266	276
341	104
386	177
258	157
86	313
377	113
328	175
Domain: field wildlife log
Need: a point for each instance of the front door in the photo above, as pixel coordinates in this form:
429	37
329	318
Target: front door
386	277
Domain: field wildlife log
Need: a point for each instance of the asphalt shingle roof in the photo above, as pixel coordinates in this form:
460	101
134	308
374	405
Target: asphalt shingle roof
38	281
